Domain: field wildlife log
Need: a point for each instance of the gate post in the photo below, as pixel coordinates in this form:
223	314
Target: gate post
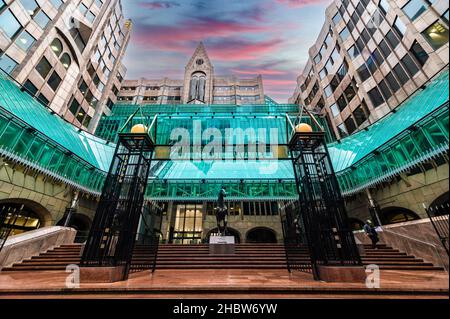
334	254
109	247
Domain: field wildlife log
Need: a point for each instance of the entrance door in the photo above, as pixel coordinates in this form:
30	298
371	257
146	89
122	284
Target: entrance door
188	224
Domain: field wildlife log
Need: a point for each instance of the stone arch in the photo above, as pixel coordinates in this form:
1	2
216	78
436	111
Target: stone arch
44	215
394	214
24	215
231	231
443	199
355	223
261	235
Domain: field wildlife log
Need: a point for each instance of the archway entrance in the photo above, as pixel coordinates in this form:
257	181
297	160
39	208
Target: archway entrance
393	215
231	232
261	235
19	218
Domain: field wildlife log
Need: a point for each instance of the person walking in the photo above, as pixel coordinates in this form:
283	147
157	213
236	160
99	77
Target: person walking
371	232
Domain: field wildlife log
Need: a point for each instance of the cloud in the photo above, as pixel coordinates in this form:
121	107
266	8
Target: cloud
302	3
153	5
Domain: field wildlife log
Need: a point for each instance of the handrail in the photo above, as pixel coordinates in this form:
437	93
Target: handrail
419	241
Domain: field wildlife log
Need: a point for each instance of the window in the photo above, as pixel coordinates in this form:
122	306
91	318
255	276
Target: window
98	3
341	102
414	8
7	64
41	98
328	91
350	125
359	115
74	105
384	90
9	24
342	130
87	120
30	87
409	65
392	82
400	27
365	36
363	72
392	39
31	6
401	75
375	97
385	50
57	3
353	52
335	55
419	53
77	37
337	18
43	67
317	58
2	4
360	9
323	73
80	115
25	41
371	64
344	34
384	6
349	93
83	9
66	60
342	71
445	17
377	57
56	47
54	81
334	110
436	35
90	16
360	44
41	19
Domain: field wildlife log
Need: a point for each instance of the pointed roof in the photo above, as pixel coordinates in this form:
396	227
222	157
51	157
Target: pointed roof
200	52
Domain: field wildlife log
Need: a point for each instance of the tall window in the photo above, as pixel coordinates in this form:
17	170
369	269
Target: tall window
9	24
197	87
436	35
414	8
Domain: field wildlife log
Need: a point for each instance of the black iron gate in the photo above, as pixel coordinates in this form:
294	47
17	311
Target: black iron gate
321	206
439	219
147	242
296	247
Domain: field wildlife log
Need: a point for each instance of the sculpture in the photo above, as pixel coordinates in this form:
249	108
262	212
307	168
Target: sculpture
222	212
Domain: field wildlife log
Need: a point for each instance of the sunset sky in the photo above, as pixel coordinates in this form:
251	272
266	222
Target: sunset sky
242	37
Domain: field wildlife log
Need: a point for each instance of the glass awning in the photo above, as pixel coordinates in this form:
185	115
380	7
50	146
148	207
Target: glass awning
353	148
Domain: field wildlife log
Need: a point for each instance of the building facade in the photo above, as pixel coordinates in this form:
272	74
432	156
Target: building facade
370	56
199	86
67	53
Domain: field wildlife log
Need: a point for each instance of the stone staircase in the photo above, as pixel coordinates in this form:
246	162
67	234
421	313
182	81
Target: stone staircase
247	256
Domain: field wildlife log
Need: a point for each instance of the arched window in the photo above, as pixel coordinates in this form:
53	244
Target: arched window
197	86
261	235
66	60
392	215
56	47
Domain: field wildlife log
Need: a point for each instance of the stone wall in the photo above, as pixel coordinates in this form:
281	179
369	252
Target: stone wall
409	192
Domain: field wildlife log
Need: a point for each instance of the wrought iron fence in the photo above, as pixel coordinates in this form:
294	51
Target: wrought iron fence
295	242
439	217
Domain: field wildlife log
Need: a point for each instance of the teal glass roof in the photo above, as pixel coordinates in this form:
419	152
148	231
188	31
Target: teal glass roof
88	147
355	147
229	170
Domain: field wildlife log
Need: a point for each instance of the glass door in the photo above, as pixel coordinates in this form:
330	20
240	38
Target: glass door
188	224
